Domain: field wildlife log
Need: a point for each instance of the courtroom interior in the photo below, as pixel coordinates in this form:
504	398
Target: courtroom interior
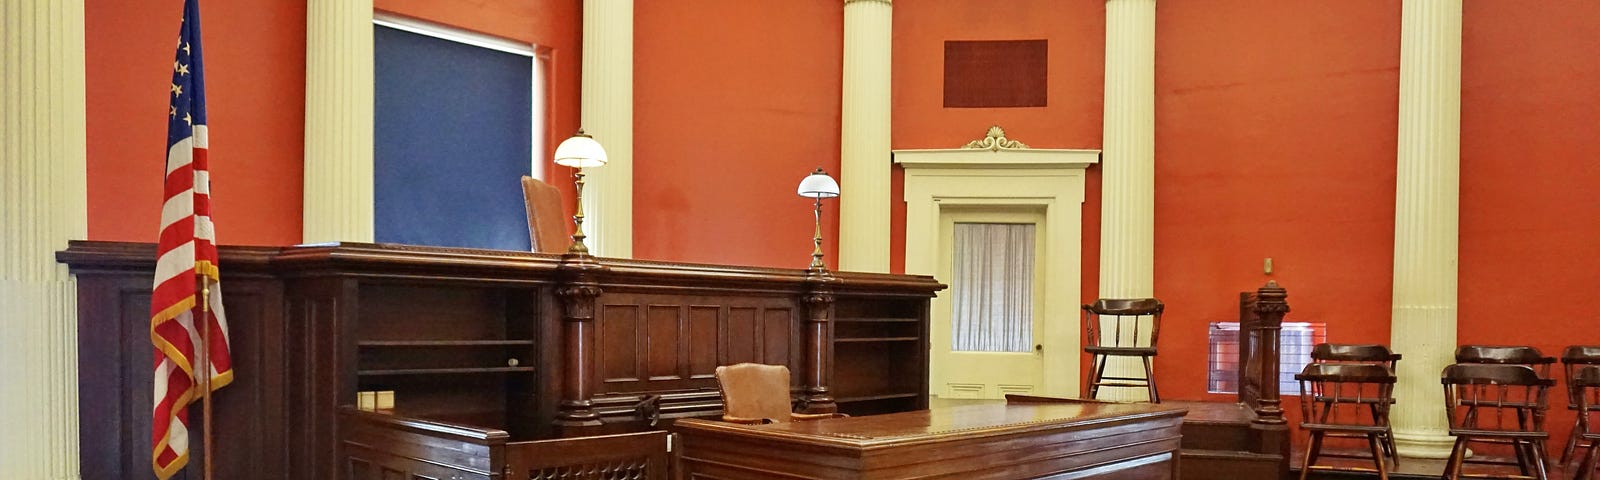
832	239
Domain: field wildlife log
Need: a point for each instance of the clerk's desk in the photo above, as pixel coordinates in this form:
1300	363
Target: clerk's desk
1058	441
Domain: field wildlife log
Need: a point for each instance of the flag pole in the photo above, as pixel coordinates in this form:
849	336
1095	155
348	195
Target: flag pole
205	367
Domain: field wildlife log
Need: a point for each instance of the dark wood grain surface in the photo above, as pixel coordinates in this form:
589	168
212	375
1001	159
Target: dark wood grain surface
978	441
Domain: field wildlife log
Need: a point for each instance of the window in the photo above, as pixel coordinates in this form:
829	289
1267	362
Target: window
459	117
1294	352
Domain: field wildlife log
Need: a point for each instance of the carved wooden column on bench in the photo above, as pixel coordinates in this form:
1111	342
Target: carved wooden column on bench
819	314
578	292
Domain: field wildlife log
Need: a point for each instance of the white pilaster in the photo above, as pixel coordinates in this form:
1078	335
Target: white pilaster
339	93
608	116
42	205
1427	196
864	137
1127	175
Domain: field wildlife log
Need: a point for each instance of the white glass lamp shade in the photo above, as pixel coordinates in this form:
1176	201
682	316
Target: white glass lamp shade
818	185
580	151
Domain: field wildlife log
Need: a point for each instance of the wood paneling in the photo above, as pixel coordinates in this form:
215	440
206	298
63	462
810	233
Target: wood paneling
663	341
313	325
702	342
620	340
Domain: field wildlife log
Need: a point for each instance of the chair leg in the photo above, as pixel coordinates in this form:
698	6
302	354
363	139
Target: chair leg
1150	381
1377	455
1097	368
1536	450
1311	454
1572	443
1452	467
1524	463
1586	470
1314	450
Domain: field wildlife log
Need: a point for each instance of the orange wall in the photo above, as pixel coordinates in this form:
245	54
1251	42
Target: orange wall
734	102
1530	129
1275	137
1076	34
255	69
255	86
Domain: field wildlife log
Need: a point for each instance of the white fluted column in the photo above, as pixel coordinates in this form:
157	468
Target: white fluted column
1127	168
1427	197
42	205
864	137
339	91
608	116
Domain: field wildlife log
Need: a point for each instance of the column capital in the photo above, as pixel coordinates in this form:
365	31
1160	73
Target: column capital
885	2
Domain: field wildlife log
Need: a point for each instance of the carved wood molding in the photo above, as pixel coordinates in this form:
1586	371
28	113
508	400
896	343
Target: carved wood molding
996	141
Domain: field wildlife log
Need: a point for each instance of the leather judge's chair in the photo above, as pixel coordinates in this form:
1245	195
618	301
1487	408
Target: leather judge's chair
547	224
1122	328
753	393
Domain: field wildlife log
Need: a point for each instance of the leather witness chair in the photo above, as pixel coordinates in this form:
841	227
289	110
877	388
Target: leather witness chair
547	223
1373	354
753	393
1117	328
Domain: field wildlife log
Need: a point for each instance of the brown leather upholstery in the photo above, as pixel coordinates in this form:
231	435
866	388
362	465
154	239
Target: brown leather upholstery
755	393
547	225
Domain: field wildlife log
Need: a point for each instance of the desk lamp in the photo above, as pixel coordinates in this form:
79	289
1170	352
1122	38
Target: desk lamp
818	185
578	152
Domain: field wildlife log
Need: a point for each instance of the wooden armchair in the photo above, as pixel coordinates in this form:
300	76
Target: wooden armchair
753	393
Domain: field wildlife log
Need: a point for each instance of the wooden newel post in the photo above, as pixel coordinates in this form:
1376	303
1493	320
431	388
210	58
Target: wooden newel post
1270	308
579	294
819	314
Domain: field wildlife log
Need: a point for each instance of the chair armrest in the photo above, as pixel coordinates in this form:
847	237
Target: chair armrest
744	421
805	417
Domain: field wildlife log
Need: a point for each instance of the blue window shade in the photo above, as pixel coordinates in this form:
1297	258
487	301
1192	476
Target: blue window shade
452	136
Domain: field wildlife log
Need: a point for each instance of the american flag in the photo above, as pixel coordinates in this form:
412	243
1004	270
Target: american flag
187	256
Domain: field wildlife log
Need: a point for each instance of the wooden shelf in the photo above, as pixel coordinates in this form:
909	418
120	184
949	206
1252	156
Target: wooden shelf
868	398
443	343
437	371
876	339
877	320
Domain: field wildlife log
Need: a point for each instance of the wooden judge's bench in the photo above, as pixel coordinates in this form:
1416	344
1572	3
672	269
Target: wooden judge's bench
489	355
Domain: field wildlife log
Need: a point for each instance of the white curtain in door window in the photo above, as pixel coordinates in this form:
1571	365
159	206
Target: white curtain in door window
992	297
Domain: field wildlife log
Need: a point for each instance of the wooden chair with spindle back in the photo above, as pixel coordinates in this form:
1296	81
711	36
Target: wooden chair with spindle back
1122	328
1585	385
1361	354
1574	358
1497	404
1339	400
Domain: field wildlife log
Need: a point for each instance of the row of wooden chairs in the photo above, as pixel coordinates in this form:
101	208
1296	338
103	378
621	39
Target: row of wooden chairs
1493	395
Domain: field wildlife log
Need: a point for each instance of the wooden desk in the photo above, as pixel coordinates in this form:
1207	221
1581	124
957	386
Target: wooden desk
995	441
